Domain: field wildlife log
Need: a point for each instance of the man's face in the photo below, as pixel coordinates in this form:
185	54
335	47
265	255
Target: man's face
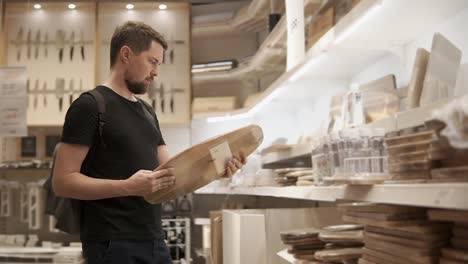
143	68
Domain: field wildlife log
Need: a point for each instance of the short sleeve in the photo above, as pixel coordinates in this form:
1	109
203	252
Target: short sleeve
81	121
161	140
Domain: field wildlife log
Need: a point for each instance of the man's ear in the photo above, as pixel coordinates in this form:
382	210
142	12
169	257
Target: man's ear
125	53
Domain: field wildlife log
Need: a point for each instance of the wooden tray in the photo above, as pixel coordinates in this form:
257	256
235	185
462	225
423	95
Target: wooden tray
410	242
455	254
405	139
439	235
455	173
343	236
415	85
415	226
459	243
448	215
388	257
401	251
460	232
195	167
409	147
378	208
338	254
450	261
389	216
340	228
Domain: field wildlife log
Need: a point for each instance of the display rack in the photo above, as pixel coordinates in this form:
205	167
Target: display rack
178	237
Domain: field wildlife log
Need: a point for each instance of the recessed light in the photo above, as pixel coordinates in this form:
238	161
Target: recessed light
71	6
162	6
130	6
37	6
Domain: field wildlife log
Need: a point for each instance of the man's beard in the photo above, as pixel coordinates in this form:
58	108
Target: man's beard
136	87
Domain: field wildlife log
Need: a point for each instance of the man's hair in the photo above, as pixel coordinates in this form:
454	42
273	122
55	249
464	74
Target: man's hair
136	35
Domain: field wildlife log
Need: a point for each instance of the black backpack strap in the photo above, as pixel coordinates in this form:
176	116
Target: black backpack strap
149	112
101	104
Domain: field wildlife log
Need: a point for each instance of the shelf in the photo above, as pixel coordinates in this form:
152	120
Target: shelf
296	156
370	31
436	195
325	193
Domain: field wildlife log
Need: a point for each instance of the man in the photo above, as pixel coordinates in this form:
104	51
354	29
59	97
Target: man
118	225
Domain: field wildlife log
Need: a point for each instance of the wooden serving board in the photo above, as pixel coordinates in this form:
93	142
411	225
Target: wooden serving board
405	139
340	228
399	250
450	261
417	77
455	254
410	242
344	236
338	254
195	167
438	235
391	258
442	70
378	208
448	215
363	261
459	243
460	232
415	226
373	259
389	216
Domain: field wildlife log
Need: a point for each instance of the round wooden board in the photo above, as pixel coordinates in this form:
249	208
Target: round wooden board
195	167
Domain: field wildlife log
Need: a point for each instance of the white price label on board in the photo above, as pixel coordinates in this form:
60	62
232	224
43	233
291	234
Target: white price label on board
221	154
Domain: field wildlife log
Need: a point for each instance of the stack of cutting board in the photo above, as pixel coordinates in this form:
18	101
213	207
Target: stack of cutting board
293	176
457	252
344	244
409	156
397	234
304	243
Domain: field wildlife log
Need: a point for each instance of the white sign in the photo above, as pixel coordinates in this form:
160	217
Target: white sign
13	102
296	38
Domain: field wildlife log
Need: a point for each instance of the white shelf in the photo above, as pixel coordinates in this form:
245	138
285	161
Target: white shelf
297	154
439	195
325	193
436	195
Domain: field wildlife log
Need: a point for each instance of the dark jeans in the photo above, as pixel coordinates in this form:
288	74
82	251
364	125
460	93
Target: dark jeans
127	252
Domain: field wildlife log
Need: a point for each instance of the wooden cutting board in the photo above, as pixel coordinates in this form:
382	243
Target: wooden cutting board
399	250
455	254
373	259
340	228
417	77
442	69
459	243
435	235
363	261
386	84
378	208
196	166
391	258
299	233
410	242
414	226
338	254
460	232
405	139
389	216
450	261
448	215
344	236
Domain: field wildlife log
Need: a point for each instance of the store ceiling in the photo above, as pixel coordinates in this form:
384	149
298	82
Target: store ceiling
193	2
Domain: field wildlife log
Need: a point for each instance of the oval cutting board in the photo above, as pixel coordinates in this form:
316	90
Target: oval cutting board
195	167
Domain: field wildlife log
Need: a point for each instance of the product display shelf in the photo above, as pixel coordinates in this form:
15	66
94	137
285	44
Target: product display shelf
436	195
371	30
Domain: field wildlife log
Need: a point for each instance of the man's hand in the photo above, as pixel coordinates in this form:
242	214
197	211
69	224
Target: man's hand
233	165
145	182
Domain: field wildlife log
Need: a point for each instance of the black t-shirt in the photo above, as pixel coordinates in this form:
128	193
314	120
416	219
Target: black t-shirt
131	143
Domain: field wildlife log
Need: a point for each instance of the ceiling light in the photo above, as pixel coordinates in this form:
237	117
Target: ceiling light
37	6
162	6
71	6
130	6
